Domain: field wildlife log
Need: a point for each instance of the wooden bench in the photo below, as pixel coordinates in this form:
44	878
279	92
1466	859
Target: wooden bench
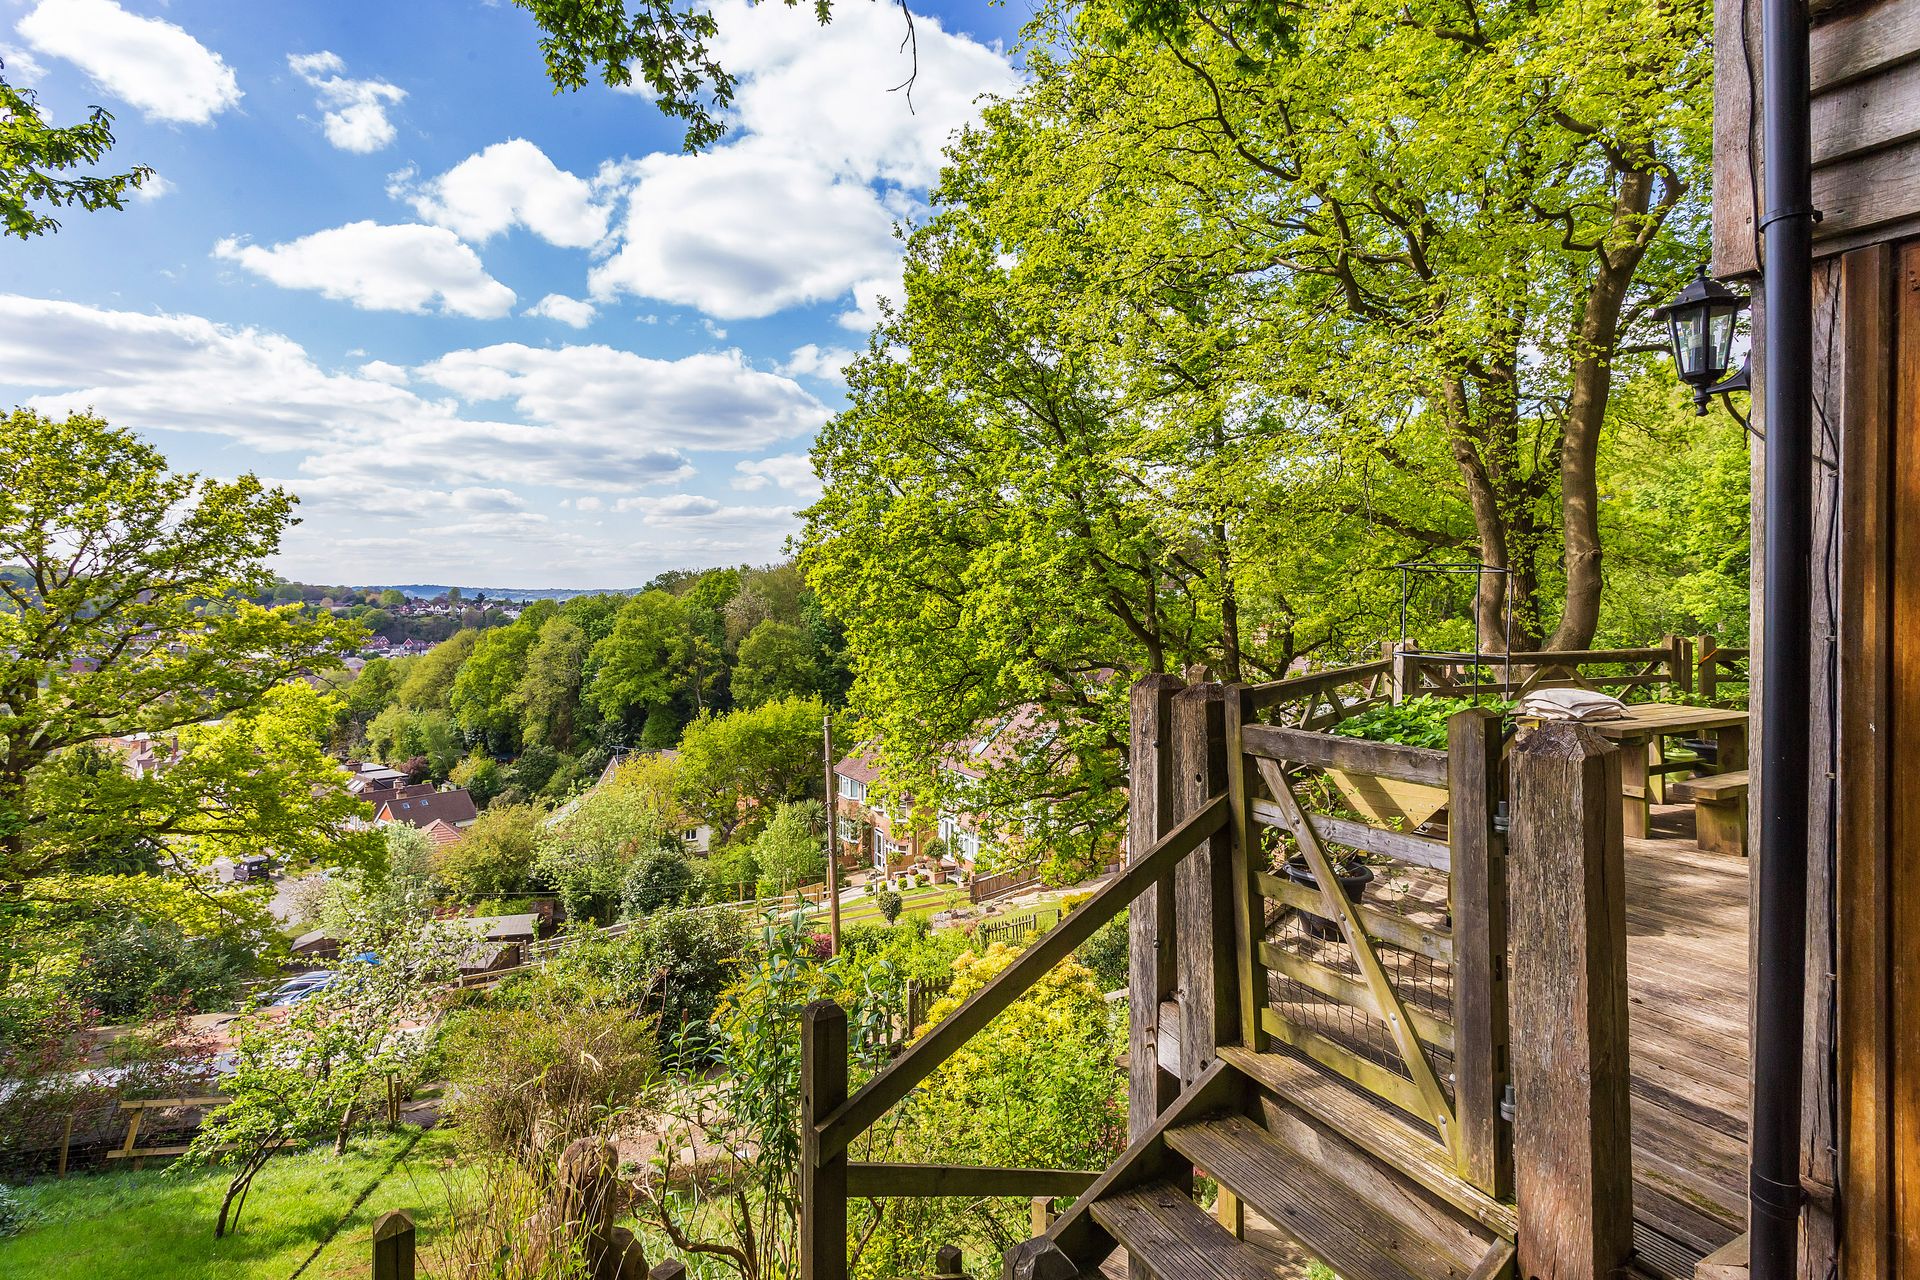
1719	809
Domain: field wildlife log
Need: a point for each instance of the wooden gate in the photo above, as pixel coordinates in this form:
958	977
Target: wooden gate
1399	988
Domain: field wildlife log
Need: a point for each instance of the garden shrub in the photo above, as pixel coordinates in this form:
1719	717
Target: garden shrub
15	1217
890	903
655	881
528	1080
1105	953
1417	722
131	970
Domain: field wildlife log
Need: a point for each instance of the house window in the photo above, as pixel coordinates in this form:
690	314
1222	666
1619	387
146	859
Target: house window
691	835
852	788
969	845
849	830
949	828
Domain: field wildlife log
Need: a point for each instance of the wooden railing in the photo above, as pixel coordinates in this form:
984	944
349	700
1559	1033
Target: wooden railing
832	1119
983	888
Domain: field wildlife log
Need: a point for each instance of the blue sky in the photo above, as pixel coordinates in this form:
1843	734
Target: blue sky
490	335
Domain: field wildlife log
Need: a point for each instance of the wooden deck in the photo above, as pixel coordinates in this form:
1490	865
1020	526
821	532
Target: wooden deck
1687	983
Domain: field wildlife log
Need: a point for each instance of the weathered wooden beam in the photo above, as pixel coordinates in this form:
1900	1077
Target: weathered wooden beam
889	1086
1347	989
1329	751
881	1178
823	1173
1203	884
1388	926
1420	851
1249	908
1572	1142
1477	890
1275	692
1151	970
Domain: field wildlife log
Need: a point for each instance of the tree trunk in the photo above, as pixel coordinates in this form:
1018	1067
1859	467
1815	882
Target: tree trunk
1595	341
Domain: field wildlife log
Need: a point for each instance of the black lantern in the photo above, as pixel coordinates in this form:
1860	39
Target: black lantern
1701	323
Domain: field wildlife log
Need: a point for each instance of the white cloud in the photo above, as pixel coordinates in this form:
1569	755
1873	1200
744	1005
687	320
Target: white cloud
355	110
577	312
186	373
153	188
380	268
830	94
21	67
791	471
745	231
381	371
799	207
707	401
510	183
149	62
815	361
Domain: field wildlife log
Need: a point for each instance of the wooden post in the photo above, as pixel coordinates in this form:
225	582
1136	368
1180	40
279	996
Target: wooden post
1572	1142
1679	662
1203	889
1406	674
66	1143
1706	662
1478	889
1041	1215
948	1263
668	1269
823	1183
1249	905
1151	973
393	1246
833	836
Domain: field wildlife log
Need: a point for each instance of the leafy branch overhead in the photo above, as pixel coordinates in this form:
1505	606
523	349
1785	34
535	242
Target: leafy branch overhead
35	158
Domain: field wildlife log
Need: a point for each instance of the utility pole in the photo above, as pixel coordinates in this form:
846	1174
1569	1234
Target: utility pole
833	835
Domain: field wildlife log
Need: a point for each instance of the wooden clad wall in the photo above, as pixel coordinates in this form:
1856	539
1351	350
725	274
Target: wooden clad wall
1866	127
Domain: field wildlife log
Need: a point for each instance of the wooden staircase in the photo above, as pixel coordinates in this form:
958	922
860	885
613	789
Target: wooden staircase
1288	1158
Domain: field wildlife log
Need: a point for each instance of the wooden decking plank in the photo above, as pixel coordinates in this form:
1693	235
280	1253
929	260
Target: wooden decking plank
1377	1129
1352	1227
1174	1238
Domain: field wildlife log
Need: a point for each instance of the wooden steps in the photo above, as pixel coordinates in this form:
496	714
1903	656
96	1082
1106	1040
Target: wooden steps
1336	1223
1298	1171
1160	1224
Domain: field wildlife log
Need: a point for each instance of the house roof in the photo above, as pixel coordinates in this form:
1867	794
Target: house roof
453	807
859	767
442	833
505	928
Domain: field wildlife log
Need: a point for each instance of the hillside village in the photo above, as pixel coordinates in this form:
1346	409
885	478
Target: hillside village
1175	639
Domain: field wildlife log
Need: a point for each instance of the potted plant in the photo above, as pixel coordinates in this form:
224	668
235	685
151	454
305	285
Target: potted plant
1353	879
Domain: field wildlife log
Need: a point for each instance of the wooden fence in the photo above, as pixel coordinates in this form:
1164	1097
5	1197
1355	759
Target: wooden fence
1002	883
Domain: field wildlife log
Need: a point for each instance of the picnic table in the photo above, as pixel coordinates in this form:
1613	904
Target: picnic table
1642	733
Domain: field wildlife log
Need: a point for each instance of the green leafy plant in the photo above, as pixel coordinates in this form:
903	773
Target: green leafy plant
1417	722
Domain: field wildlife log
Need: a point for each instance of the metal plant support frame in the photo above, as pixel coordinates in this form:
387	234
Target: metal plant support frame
1446	569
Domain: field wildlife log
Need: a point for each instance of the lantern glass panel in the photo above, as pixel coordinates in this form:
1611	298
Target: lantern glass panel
1689	346
1723	322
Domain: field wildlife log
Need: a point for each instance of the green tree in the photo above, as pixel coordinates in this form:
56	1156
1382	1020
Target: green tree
655	881
586	855
735	769
777	660
547	697
482	695
480	776
790	852
36	156
428	684
104	633
301	1078
373	690
636	669
496	855
392	598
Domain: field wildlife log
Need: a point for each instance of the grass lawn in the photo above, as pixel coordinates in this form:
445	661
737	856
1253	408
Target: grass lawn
153	1225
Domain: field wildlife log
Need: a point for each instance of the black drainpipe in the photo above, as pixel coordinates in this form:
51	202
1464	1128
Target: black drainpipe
1780	985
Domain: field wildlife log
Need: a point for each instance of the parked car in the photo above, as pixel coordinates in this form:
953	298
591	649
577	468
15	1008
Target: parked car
294	990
